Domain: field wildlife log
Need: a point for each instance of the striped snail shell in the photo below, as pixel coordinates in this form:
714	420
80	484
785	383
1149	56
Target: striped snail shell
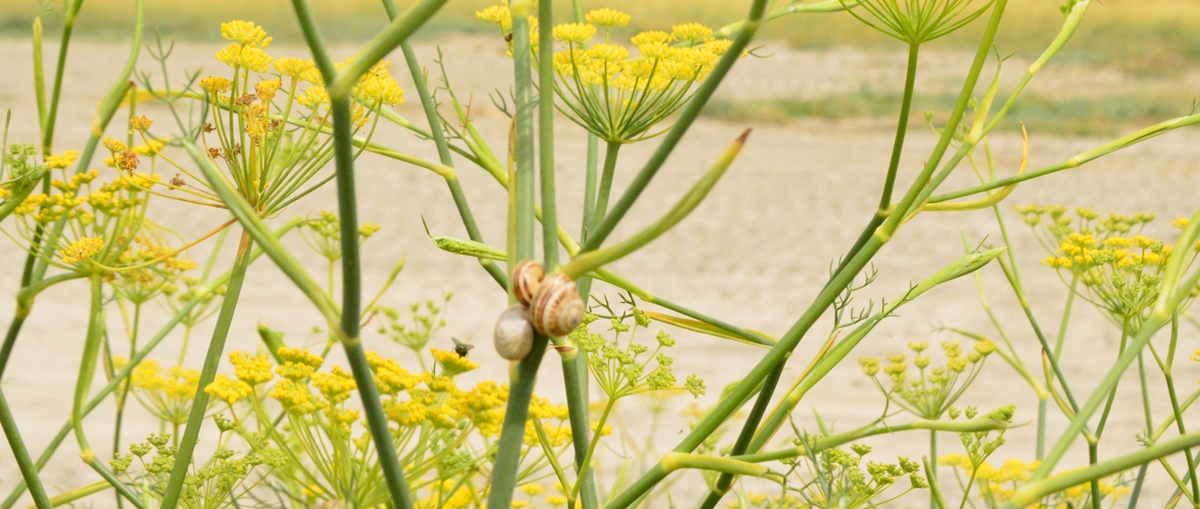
526	278
556	310
514	333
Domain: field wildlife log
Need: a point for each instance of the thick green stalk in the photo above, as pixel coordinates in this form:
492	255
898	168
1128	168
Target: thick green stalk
574	365
508	453
21	454
376	49
910	80
750	426
523	379
673	136
212	359
1039	487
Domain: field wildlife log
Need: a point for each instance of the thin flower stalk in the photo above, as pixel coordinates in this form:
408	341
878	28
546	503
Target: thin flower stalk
216	348
21	454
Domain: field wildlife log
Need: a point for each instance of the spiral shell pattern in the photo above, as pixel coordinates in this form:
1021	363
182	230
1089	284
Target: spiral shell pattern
514	333
556	310
526	278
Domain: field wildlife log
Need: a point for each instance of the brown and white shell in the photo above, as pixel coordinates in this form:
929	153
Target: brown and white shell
556	310
526	278
514	333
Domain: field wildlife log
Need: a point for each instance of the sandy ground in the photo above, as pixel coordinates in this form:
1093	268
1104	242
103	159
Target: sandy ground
755	253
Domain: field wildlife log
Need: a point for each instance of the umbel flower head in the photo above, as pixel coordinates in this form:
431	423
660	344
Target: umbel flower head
916	22
1120	268
103	223
267	131
617	94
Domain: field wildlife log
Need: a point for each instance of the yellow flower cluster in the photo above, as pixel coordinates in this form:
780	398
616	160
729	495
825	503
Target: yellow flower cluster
1120	268
453	363
935	389
997	484
617	96
166	393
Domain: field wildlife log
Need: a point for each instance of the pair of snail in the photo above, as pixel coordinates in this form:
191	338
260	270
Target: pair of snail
548	304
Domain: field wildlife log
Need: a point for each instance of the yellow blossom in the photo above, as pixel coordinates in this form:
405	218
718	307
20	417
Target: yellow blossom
293	67
498	14
607	18
63	160
215	84
229	389
692	33
245	33
81	250
251	370
244	57
577	33
452	363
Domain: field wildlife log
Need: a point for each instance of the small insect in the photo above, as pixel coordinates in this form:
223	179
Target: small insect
508	38
460	348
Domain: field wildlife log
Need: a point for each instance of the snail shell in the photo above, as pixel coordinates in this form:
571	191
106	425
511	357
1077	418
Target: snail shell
526	278
556	309
514	333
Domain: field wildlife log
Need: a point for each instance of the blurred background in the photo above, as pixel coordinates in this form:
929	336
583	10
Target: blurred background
1154	40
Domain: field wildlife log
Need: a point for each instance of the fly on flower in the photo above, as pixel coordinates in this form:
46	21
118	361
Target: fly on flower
460	348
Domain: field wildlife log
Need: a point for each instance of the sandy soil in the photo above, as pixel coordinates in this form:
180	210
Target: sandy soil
754	254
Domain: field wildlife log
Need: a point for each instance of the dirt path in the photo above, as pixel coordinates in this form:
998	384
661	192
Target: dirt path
754	254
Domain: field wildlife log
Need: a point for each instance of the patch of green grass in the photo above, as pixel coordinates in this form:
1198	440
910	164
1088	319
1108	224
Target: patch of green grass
1099	116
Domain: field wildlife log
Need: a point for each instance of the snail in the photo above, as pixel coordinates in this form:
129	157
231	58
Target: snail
514	333
526	278
556	309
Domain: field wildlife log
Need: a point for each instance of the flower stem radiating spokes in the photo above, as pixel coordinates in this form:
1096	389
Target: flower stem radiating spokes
917	22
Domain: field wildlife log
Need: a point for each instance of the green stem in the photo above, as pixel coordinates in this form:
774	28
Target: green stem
725	482
83	383
920	184
910	79
602	196
933	454
545	133
20	453
521	235
512	434
216	346
1039	487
